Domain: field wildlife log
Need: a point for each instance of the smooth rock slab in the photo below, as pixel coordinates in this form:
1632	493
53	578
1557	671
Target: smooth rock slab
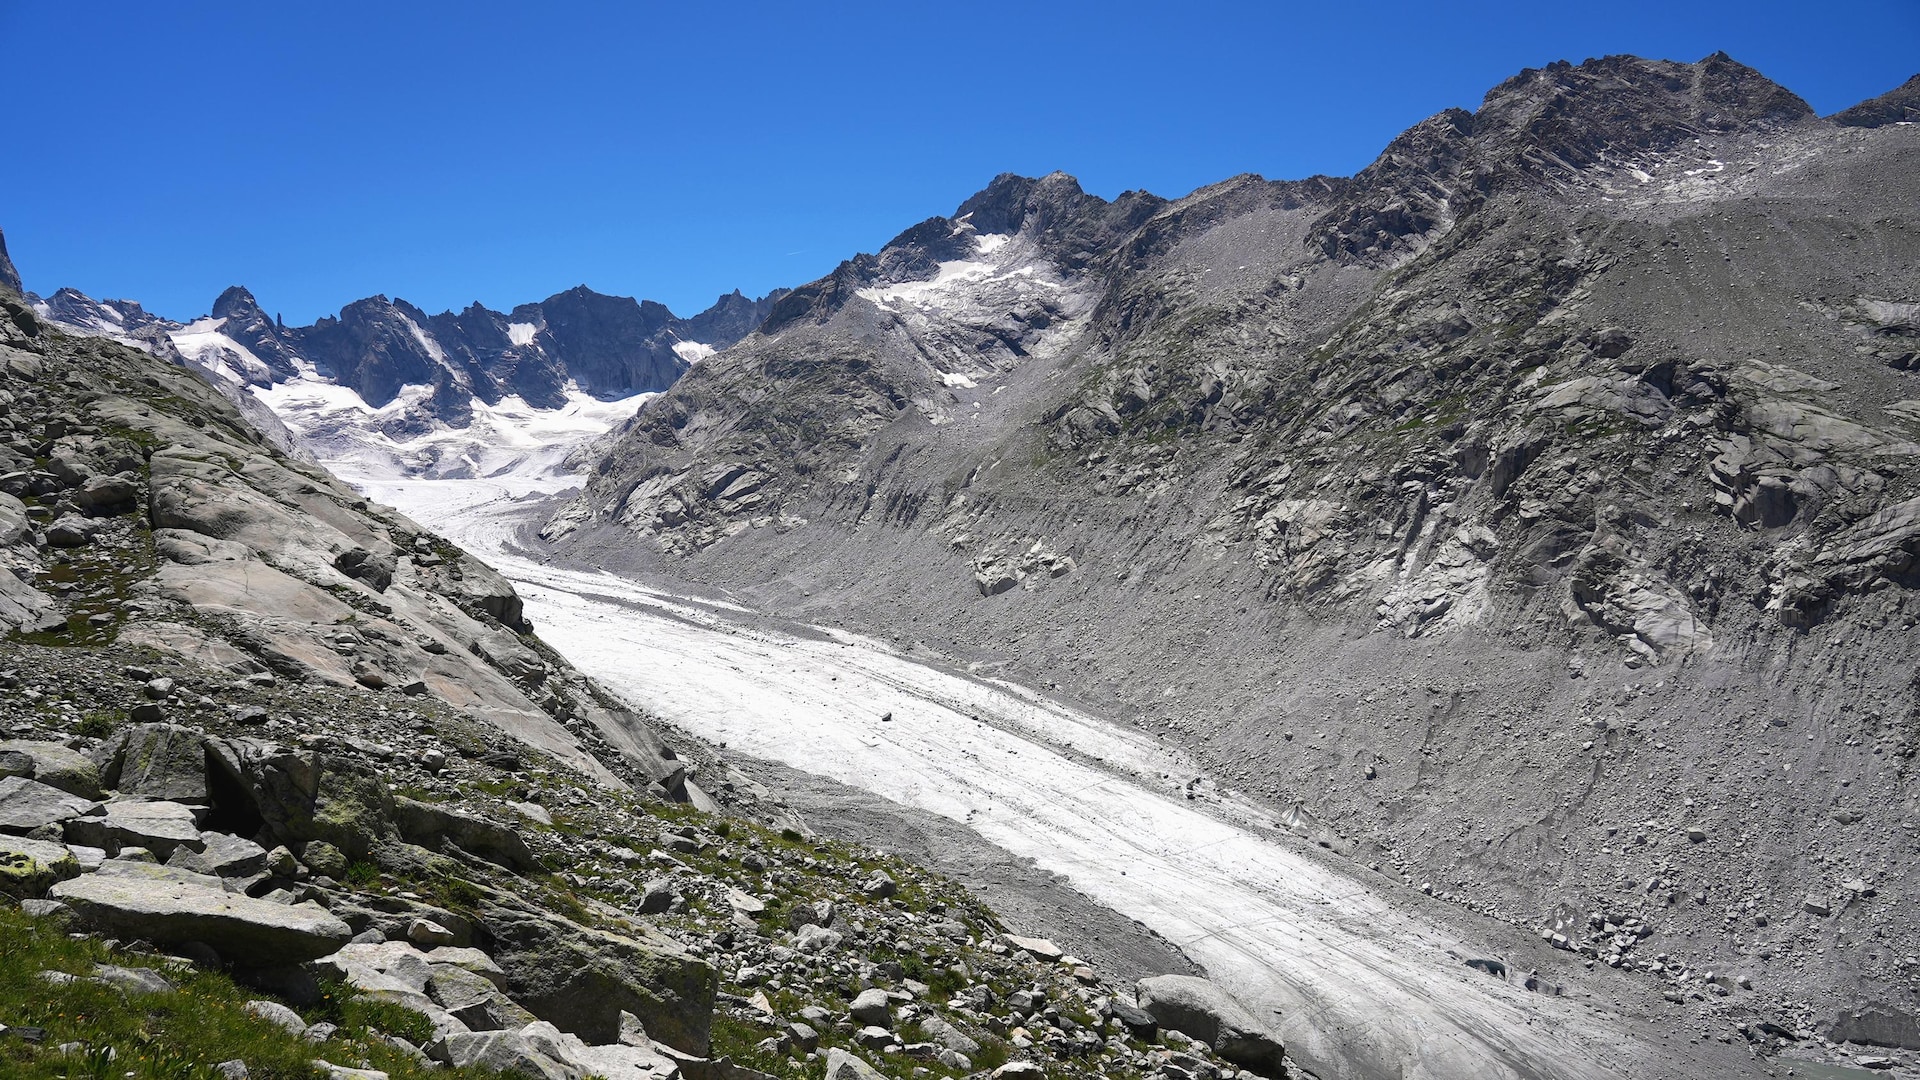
55	765
26	805
157	826
240	928
1039	948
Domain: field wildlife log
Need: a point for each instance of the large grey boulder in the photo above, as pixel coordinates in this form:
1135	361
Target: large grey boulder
473	999
27	805
160	761
241	929
873	1007
1201	1010
582	979
432	826
53	764
160	827
303	795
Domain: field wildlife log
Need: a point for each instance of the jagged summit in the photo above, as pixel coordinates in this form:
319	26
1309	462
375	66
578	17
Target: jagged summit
9	277
1901	105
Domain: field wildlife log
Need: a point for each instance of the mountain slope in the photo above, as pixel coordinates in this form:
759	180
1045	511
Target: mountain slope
1532	515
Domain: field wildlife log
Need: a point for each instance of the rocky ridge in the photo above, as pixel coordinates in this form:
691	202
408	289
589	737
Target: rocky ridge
1530	516
412	370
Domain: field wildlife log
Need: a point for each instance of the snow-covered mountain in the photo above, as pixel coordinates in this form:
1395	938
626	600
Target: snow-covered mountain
386	389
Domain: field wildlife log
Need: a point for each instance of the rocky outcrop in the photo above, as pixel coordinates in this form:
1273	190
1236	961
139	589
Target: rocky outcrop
583	980
1198	1008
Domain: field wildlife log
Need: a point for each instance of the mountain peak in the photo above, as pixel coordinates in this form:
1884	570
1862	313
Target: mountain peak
9	277
236	301
1900	105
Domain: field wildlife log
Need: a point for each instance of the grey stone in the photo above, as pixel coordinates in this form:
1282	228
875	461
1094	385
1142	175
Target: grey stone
231	856
324	859
276	1013
26	805
842	1065
28	868
936	1028
56	765
872	1006
133	980
582	979
1039	948
160	761
428	825
157	826
240	928
1202	1010
497	1051
879	885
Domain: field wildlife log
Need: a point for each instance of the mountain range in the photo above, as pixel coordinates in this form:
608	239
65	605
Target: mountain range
1529	523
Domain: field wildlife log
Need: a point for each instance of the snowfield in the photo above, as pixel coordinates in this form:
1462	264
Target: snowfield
1360	982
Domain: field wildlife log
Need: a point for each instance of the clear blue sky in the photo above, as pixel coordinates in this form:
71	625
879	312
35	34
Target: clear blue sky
445	153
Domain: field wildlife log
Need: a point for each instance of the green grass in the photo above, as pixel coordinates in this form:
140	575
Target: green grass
179	1035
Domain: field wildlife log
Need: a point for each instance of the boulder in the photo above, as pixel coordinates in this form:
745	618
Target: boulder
231	856
497	1051
1201	1010
160	761
938	1030
52	764
431	826
842	1065
1038	948
582	980
27	805
473	1000
102	495
70	531
241	929
160	827
872	1007
300	796
28	868
276	1013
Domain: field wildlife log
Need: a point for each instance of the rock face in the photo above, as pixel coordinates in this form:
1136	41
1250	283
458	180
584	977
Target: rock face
240	928
1199	1009
582	980
9	277
1578	413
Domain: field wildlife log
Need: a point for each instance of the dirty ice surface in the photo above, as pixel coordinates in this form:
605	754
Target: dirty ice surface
1359	985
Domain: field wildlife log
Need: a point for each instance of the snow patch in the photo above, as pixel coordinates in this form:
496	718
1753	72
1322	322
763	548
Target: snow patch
988	243
521	333
203	341
425	339
692	351
955	380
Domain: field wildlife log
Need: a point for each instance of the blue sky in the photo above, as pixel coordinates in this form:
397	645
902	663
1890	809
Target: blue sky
445	153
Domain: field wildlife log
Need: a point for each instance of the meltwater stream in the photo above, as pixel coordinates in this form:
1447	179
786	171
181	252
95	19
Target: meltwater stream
1360	986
